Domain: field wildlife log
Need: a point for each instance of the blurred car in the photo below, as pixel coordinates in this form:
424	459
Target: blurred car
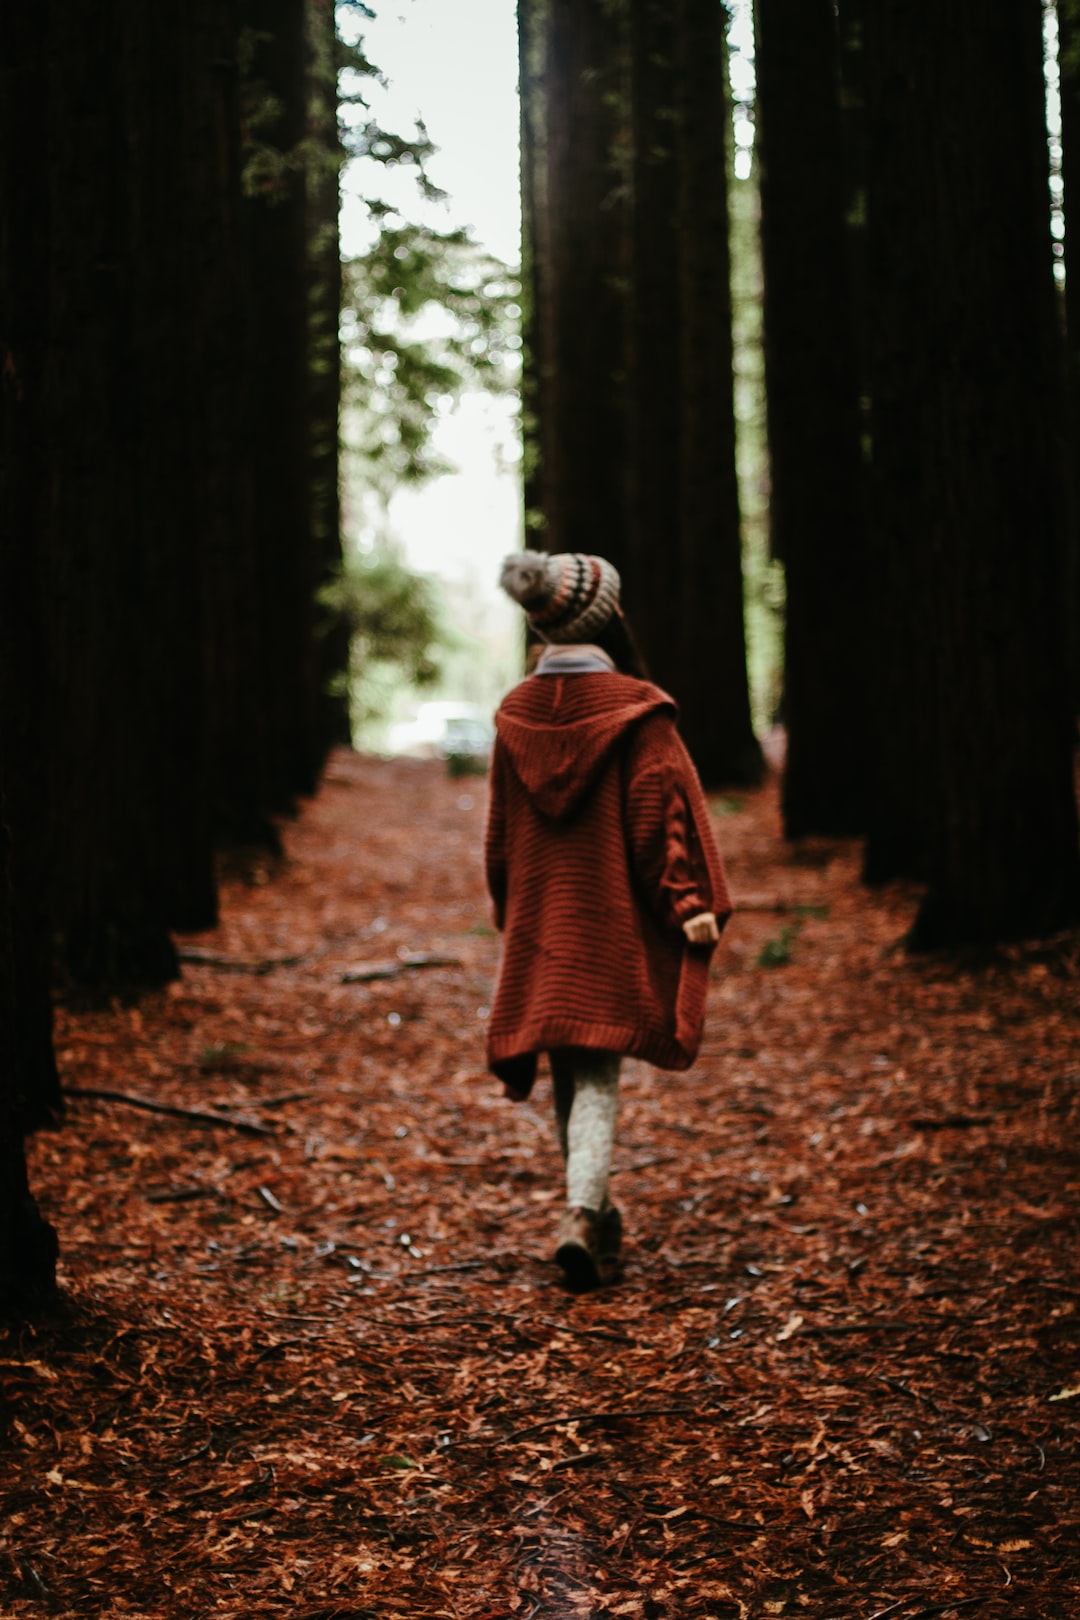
444	730
468	737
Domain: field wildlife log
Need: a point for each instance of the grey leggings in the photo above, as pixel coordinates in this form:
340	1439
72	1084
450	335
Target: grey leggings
586	1086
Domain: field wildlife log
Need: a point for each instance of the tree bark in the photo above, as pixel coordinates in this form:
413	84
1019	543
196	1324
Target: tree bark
324	363
161	253
29	1086
816	507
628	384
180	678
652	566
111	889
713	689
976	783
1068	12
577	211
276	286
532	22
238	724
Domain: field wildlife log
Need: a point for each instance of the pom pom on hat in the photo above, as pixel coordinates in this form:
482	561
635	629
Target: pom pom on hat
568	595
524	577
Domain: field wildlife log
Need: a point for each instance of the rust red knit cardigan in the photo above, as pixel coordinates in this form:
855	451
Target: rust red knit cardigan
598	848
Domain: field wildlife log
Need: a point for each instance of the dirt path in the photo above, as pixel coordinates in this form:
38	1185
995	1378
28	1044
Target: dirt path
326	1369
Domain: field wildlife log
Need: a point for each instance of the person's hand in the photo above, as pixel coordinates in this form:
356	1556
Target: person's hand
702	929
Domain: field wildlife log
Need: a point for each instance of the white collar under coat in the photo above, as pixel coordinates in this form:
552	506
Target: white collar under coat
573	658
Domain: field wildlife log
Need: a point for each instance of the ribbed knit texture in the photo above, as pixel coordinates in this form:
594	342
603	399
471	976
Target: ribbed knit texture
598	848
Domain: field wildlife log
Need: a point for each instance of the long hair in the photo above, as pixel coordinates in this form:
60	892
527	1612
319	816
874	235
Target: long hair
617	640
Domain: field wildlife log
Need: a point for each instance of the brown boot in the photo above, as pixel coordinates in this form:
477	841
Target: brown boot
609	1238
578	1248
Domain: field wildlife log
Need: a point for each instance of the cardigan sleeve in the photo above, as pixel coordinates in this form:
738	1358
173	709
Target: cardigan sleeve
495	837
663	841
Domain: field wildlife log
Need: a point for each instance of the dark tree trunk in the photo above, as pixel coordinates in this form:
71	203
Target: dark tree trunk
275	222
630	444
652	568
237	718
324	304
161	252
531	16
577	211
112	889
976	785
816	506
1068	12
29	1088
902	810
713	690
178	673
851	40
684	573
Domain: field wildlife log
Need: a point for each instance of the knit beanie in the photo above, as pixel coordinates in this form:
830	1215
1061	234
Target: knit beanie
568	595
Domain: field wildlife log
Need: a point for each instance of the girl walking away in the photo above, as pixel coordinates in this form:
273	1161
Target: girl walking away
605	880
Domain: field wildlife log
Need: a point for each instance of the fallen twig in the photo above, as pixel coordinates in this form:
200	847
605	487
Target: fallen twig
584	1333
905	1389
193	1456
436	1271
707	1518
102	1094
363	972
597	1417
235	964
856	1327
644	1164
805	908
582	1460
956	1122
181	1195
952	1603
296	1316
32	1578
280	1344
417	1324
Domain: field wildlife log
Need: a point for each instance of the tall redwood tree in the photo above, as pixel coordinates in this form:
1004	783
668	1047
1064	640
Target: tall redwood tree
29	1087
816	505
974	726
630	435
1068	13
575	220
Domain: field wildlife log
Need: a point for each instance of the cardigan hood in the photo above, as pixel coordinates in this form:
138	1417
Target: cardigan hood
559	732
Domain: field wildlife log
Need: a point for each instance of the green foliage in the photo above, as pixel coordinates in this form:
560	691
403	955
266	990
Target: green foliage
395	625
223	1055
426	314
366	137
392	613
777	951
458	765
341	81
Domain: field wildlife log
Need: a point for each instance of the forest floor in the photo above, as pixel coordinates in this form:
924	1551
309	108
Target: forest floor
320	1364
